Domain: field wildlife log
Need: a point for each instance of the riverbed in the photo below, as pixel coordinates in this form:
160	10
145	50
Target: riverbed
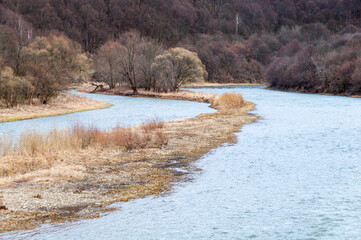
294	174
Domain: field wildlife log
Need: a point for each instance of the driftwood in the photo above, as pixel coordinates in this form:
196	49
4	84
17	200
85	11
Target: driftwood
101	86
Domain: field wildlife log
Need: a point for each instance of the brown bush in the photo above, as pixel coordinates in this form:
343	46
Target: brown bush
230	100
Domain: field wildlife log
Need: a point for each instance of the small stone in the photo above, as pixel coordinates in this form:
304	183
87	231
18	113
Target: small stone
3	207
38	196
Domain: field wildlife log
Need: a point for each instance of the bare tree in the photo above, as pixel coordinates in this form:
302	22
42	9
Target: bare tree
51	62
238	20
8	46
177	66
106	63
129	57
149	51
22	34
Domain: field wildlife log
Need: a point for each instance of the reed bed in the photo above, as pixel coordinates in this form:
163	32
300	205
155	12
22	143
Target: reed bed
35	151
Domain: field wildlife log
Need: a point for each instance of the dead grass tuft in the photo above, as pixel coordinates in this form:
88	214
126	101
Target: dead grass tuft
229	101
152	125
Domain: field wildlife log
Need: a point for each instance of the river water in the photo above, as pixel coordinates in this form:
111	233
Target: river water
126	111
294	174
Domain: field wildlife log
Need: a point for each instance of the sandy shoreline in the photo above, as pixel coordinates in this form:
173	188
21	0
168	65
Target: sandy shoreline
63	104
94	178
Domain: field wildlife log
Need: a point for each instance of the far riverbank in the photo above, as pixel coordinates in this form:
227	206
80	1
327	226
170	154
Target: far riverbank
65	103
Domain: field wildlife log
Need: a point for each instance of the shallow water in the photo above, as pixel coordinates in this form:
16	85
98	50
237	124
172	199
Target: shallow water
127	111
294	174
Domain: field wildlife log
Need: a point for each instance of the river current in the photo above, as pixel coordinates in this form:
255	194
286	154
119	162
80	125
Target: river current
294	174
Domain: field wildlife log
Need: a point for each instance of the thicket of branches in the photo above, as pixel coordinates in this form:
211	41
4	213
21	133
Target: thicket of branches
94	22
302	45
319	62
36	68
141	62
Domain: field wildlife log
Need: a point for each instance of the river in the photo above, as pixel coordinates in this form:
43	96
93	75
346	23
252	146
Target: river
294	174
126	111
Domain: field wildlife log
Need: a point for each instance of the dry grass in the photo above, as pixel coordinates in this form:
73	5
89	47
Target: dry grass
73	170
151	125
63	104
6	144
185	95
35	151
229	101
226	101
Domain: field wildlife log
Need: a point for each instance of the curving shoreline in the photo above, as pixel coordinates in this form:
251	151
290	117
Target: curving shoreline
210	85
112	175
63	104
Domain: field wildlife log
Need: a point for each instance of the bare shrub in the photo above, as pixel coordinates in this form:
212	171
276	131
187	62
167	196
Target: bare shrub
14	89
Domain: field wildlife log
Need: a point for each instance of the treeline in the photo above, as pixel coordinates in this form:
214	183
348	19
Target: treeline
318	62
141	62
290	44
93	22
40	68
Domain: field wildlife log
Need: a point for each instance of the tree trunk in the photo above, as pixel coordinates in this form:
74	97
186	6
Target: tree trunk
135	91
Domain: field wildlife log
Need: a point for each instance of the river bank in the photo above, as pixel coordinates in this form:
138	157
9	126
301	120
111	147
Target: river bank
318	93
63	104
210	84
80	184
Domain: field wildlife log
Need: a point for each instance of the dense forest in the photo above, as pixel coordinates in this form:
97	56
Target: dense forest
302	45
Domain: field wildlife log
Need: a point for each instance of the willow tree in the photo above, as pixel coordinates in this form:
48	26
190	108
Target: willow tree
13	89
177	66
52	62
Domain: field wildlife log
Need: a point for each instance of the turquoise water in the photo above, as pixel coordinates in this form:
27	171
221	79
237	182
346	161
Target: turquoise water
294	174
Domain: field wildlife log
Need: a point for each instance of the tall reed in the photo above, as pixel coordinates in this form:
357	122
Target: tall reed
37	151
